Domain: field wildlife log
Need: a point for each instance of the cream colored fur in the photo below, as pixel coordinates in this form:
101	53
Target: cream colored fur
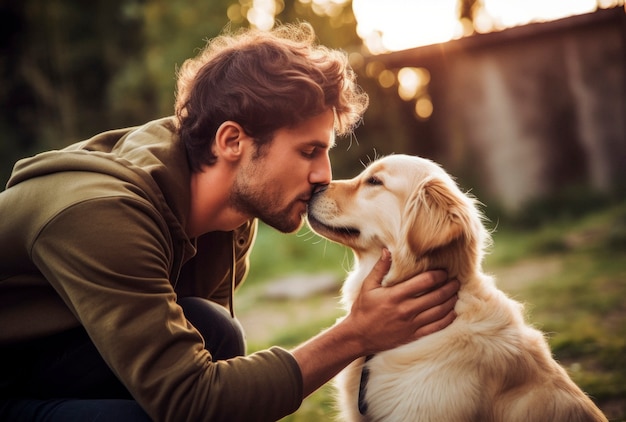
489	365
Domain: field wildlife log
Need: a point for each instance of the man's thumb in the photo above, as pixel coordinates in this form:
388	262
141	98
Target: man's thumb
381	268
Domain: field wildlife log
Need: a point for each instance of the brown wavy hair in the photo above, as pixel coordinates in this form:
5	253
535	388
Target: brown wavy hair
263	80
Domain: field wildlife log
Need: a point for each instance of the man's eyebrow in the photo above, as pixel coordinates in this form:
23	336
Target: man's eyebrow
323	145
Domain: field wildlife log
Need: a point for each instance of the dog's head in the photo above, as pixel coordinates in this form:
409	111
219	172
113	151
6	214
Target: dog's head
409	205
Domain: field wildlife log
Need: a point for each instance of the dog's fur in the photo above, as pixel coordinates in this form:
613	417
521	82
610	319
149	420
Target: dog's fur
488	365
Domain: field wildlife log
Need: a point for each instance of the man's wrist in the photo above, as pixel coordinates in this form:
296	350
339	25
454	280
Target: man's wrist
326	354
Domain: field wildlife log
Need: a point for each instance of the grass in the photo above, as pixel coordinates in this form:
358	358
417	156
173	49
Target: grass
276	254
570	273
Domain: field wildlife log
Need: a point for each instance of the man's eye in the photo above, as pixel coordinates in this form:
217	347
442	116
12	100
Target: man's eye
309	153
374	181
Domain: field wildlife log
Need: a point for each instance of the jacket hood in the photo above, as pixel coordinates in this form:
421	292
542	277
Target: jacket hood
150	157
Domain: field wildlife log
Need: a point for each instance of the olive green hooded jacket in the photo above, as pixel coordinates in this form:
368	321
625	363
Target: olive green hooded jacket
93	235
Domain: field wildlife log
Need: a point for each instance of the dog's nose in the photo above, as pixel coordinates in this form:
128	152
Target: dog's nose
319	189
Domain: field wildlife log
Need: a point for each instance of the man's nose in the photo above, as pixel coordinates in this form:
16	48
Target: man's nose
322	173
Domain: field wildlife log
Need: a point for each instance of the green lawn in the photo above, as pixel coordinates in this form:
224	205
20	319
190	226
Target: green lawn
570	273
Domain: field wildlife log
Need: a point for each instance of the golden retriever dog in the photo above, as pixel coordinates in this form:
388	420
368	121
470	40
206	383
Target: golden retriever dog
489	364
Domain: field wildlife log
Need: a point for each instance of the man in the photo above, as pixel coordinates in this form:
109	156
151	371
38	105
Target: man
119	255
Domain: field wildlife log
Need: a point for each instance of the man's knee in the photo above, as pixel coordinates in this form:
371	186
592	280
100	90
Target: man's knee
223	334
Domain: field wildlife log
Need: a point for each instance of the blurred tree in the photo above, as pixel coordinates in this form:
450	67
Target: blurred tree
175	31
58	60
70	68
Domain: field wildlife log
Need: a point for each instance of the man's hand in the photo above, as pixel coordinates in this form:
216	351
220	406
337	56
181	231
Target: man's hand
381	318
387	317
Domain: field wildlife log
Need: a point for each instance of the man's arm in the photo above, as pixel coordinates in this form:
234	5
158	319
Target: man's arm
108	258
381	318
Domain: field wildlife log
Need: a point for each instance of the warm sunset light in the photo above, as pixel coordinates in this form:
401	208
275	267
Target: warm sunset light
393	25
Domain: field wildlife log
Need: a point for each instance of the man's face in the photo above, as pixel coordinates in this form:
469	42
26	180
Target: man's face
277	186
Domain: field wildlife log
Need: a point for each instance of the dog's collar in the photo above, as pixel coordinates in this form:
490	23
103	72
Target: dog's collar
365	372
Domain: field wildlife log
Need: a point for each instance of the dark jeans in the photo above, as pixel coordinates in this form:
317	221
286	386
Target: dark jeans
63	377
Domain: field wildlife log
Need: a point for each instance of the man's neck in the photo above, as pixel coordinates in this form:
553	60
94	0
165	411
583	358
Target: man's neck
210	208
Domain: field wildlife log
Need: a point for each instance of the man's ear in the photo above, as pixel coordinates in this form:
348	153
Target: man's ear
229	141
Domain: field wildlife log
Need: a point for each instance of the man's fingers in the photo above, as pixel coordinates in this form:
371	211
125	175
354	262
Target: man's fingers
437	312
422	283
437	297
375	277
435	326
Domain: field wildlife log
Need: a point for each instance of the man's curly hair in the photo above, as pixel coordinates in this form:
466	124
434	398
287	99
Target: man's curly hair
263	80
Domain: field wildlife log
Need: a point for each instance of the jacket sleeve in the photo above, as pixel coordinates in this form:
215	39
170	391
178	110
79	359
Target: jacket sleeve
110	261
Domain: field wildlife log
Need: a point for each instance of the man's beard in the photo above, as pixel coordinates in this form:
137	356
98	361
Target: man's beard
264	205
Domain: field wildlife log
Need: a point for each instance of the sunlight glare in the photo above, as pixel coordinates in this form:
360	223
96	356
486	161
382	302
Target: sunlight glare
412	81
508	13
263	12
386	78
424	107
408	83
328	7
395	25
399	24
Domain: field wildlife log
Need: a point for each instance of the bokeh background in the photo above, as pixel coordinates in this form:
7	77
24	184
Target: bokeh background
523	102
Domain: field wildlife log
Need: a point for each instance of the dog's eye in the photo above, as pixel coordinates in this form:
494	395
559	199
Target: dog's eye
374	181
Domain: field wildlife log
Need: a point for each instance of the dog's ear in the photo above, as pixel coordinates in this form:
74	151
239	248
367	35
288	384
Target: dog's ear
436	217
